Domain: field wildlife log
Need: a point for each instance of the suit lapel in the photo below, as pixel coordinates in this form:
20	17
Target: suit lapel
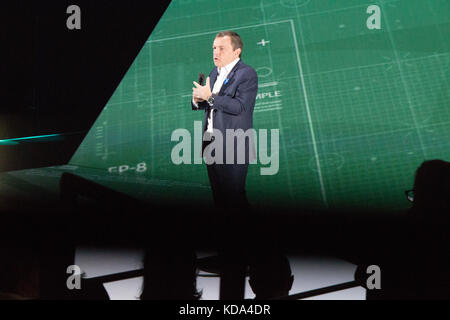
229	77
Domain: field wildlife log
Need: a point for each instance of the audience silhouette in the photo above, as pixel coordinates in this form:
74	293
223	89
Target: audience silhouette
270	275
170	274
19	273
416	263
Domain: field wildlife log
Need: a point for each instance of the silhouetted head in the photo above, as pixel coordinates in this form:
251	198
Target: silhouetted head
270	276
432	186
19	273
170	275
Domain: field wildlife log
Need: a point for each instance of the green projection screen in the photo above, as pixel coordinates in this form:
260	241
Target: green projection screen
358	109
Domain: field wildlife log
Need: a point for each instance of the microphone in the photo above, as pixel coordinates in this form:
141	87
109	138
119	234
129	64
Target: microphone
201	79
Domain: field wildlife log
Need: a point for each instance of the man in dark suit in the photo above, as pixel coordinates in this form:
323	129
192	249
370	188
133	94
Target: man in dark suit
228	99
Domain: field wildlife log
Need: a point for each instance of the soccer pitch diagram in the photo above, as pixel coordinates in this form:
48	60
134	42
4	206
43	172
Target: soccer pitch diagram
358	109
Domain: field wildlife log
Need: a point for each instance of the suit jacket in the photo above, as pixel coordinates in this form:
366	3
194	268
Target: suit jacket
233	106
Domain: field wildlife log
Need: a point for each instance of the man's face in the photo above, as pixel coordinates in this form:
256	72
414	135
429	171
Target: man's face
223	52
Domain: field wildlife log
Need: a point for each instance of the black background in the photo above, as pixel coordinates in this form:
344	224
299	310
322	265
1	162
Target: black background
58	80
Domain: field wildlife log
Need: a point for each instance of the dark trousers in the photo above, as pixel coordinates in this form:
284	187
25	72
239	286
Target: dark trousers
228	188
228	185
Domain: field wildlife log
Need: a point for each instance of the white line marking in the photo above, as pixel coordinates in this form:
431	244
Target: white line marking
267	102
216	31
308	112
268	84
268	109
404	83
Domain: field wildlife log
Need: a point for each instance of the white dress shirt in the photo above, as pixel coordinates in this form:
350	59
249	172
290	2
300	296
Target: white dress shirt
222	74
